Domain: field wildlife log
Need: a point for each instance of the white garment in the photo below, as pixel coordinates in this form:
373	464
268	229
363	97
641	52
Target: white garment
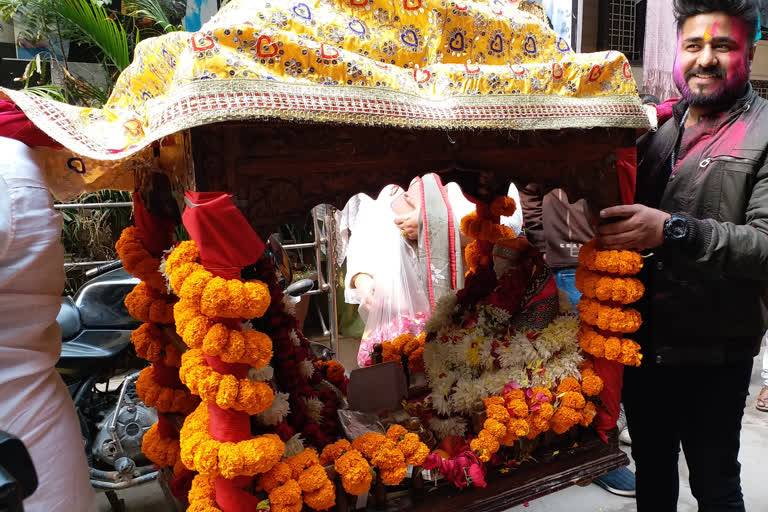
34	403
362	254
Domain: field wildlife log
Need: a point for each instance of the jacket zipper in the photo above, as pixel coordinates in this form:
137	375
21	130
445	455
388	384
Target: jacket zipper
724	158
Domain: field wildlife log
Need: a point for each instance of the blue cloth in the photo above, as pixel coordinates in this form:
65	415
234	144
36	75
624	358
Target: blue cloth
565	278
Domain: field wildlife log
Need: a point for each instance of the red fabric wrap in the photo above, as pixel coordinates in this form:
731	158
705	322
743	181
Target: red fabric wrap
166	428
155	231
626	169
226	241
612	373
14	124
231	498
227	425
167	376
181	485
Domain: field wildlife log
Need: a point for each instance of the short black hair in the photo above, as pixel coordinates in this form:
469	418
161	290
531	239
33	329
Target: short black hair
746	10
650	99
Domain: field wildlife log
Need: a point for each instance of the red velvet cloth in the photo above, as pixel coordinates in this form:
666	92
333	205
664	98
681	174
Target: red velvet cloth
181	485
226	241
167	376
228	425
14	124
155	231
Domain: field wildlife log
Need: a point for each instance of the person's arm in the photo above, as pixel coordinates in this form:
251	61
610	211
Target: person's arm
731	250
532	199
515	222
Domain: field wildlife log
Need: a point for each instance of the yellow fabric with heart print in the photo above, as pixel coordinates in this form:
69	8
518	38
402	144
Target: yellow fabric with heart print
407	63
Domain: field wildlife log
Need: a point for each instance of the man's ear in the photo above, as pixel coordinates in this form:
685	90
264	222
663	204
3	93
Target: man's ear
752	53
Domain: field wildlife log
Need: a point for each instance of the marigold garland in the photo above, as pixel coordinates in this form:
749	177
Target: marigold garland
145	307
251	347
225	390
153	345
202	495
503	206
137	260
319	491
160	450
298	463
609	318
201	453
623	290
613	348
623	263
215	296
165	400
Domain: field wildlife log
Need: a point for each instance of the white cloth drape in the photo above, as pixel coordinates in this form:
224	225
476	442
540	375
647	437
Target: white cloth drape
660	48
34	403
362	254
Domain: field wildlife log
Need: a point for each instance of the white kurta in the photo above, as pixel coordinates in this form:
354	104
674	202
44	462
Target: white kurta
34	403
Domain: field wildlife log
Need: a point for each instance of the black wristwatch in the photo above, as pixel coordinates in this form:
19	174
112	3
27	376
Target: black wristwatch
675	230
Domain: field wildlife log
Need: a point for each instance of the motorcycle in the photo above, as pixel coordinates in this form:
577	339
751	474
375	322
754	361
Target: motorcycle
96	348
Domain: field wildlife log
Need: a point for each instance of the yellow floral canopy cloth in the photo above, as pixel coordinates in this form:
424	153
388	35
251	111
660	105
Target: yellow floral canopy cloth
401	63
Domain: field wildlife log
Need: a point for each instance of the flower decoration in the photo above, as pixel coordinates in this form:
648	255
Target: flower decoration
163	451
355	472
613	348
164	399
608	318
147	305
622	263
137	260
622	290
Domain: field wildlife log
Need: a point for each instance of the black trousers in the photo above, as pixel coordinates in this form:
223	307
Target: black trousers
699	408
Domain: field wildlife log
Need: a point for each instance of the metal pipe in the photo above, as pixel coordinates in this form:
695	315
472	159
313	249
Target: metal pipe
86	206
88	263
330	231
299	246
98	484
318	251
113	423
115	475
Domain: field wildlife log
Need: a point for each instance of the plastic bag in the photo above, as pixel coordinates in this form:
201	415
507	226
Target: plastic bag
400	304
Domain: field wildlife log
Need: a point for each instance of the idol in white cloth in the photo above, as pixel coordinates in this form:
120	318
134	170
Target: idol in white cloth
404	253
34	403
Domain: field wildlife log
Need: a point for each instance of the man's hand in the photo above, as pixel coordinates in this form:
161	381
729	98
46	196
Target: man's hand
409	224
641	228
366	286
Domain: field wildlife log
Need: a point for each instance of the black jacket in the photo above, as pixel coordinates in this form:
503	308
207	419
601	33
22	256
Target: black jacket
703	303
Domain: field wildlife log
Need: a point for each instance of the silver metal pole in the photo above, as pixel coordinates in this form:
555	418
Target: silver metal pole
299	246
333	320
84	206
88	263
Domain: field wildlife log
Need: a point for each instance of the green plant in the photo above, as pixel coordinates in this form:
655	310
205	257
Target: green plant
156	12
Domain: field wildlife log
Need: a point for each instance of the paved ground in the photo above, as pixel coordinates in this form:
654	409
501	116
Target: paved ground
754	453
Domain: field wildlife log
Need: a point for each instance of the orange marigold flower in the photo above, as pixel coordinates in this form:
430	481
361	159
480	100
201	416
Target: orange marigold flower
497	412
368	444
202	495
312	478
630	353
573	400
503	206
394	475
494	400
518	427
286	496
355	472
302	461
569	384
185	252
519	408
588	414
563	419
515	394
546	411
495	428
323	498
388	458
334	372
591	385
612	348
622	290
160	450
396	433
275	477
333	451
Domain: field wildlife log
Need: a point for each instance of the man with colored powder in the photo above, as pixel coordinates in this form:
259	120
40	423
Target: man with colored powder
702	217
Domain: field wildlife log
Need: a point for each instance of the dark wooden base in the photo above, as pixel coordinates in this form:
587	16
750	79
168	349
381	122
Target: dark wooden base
576	466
